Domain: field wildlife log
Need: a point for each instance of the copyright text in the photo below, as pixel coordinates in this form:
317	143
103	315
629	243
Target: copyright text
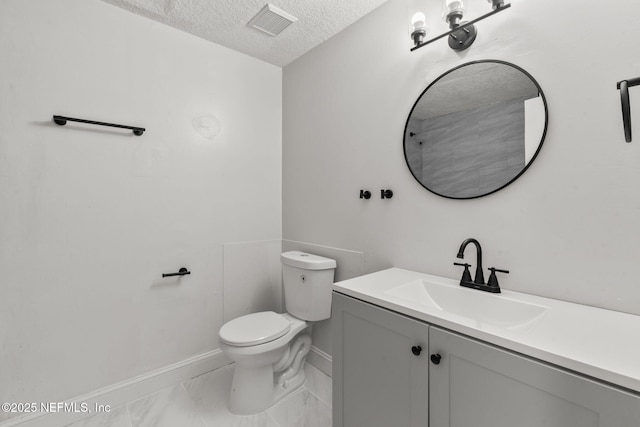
52	407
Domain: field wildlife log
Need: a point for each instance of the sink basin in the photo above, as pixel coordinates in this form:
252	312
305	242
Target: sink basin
480	307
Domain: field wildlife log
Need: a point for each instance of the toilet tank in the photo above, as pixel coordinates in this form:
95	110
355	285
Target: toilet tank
307	282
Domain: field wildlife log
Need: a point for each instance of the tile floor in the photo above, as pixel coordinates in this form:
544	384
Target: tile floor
202	402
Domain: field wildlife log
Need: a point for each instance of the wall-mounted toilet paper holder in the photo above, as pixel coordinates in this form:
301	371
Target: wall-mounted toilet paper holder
182	272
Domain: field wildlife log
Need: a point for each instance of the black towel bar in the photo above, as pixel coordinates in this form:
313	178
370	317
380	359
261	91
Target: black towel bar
62	120
624	86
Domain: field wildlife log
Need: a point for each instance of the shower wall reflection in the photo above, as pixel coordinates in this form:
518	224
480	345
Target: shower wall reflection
465	153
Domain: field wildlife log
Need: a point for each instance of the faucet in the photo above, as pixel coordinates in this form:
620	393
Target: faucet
479	279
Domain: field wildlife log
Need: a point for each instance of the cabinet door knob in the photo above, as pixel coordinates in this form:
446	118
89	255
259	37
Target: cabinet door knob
416	349
435	359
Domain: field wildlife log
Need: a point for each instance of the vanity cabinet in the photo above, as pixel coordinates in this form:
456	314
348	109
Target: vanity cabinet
477	384
378	381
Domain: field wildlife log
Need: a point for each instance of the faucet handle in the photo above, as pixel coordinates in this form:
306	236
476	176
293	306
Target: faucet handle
466	274
493	279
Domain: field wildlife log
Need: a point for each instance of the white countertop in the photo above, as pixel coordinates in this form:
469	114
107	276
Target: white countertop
600	343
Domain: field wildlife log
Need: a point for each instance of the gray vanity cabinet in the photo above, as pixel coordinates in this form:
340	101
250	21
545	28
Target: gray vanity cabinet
377	379
479	385
379	382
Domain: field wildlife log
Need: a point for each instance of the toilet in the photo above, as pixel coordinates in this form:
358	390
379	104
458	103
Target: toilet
269	349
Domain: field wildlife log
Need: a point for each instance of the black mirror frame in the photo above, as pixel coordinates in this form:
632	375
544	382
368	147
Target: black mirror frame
535	155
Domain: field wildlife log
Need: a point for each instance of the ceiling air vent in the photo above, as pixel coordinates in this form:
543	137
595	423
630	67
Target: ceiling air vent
272	20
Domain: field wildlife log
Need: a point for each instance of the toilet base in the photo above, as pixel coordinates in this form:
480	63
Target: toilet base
255	389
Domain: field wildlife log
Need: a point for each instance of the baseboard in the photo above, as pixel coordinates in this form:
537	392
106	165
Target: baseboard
126	391
319	359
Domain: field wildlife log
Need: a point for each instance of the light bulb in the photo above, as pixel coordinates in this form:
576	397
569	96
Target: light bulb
455	5
453	12
418	21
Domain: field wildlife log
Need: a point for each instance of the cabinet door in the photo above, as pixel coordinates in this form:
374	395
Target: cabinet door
478	385
377	380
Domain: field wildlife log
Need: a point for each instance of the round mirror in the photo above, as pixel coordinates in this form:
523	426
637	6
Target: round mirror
475	129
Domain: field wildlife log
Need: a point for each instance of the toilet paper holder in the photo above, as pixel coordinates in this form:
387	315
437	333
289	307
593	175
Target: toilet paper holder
182	272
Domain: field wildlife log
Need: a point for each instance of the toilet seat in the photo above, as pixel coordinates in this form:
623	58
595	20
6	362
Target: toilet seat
254	329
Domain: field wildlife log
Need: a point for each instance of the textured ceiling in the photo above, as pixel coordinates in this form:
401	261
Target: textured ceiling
225	22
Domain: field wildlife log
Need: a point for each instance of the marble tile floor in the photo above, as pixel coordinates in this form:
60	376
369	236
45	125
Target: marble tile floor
202	402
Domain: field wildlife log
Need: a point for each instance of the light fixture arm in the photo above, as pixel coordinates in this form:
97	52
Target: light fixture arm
464	25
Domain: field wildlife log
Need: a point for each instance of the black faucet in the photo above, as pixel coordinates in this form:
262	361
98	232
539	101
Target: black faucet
478	281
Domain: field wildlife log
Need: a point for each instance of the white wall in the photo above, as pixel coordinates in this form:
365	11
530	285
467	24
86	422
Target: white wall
90	217
568	228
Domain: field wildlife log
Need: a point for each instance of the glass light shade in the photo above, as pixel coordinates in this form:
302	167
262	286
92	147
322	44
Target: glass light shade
416	18
453	7
418	22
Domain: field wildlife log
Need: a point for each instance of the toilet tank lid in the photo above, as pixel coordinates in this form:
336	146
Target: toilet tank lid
307	261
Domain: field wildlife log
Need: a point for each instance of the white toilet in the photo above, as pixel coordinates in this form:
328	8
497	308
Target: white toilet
270	348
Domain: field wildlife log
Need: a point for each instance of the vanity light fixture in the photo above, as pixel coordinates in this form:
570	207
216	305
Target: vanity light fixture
461	34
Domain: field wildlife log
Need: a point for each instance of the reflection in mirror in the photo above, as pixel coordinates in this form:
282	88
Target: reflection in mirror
475	129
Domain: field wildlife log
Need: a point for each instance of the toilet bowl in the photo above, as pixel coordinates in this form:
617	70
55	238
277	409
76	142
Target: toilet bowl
268	348
266	368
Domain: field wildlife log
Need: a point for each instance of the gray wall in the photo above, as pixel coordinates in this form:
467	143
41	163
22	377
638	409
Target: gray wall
568	228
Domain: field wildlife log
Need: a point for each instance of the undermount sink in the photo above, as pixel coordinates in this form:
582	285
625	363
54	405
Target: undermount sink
490	309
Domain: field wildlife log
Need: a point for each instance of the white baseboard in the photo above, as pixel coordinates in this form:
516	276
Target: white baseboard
127	391
317	358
